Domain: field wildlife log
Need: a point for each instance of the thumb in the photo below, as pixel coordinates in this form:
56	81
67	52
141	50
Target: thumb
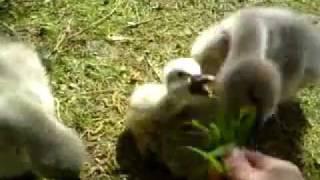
238	165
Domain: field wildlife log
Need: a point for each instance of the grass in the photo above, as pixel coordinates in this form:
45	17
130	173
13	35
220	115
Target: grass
98	50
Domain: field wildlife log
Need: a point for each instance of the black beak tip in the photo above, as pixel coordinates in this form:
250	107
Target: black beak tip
198	82
260	121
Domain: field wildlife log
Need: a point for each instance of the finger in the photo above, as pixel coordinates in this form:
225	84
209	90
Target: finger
239	166
262	161
256	159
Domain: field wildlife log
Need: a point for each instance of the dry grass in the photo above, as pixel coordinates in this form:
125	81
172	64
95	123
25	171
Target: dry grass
98	50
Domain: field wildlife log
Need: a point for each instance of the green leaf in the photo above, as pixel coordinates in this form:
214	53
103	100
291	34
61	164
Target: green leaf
244	131
213	163
200	126
214	133
222	150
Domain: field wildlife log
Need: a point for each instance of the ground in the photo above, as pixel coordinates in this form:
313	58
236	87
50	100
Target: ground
96	52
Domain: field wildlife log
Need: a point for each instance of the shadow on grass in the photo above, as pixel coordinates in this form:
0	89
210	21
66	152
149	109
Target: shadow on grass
136	168
280	138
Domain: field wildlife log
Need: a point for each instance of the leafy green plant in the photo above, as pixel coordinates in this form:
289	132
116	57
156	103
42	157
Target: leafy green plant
225	134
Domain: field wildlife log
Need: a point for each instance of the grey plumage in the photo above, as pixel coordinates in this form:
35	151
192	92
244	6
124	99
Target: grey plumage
32	138
156	109
272	53
211	46
154	104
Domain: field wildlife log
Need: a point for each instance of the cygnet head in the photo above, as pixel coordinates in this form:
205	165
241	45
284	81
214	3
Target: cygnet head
185	74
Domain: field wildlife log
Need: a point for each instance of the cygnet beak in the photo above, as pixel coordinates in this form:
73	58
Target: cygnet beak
198	82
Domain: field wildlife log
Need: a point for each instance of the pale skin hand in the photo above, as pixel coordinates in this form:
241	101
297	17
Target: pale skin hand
247	165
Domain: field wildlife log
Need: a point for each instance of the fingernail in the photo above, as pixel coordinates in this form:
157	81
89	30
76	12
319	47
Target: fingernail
236	157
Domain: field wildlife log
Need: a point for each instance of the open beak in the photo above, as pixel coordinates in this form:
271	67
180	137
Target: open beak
198	84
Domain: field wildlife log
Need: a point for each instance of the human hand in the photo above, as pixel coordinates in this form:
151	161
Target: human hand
248	165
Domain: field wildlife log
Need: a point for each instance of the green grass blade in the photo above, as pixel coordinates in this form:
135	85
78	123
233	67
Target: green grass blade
215	134
222	150
200	126
244	131
213	163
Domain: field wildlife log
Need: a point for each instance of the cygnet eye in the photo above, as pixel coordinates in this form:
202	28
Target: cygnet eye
181	74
